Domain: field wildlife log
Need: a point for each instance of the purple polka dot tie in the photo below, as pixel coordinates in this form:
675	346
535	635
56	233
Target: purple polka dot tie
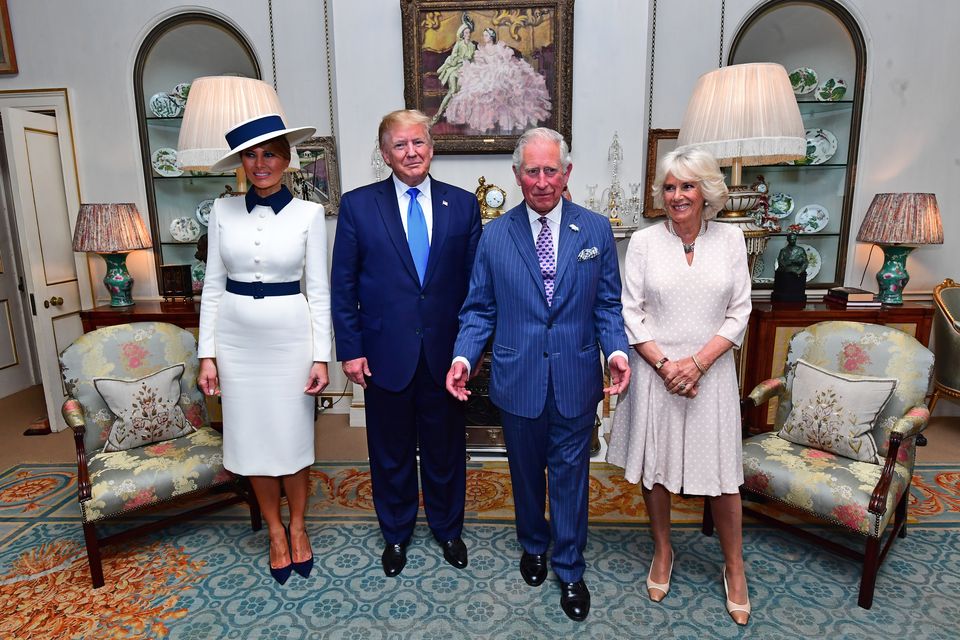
548	264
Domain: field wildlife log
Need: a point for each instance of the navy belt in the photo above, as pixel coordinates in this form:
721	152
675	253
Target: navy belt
263	289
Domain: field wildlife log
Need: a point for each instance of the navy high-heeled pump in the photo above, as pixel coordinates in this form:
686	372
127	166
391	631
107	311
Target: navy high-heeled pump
282	574
303	568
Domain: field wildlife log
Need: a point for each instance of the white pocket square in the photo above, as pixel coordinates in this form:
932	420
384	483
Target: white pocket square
588	254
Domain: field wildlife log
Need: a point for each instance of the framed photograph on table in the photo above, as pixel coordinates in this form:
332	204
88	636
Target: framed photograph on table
485	71
318	179
8	57
660	142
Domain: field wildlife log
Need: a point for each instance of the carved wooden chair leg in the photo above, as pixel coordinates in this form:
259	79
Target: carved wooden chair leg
93	554
256	519
871	564
707	528
900	515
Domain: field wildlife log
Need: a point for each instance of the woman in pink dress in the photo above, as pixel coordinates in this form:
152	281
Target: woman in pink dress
499	91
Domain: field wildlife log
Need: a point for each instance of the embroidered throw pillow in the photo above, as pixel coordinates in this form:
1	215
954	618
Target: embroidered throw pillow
147	409
836	412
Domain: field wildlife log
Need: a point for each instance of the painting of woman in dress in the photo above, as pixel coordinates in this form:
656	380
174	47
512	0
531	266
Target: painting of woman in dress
499	91
486	74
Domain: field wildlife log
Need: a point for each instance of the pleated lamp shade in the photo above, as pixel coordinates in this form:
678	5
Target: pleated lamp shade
110	228
746	112
902	218
215	105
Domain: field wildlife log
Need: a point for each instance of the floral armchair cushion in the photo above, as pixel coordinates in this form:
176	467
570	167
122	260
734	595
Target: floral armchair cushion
831	487
866	350
147	409
127	480
129	351
835	412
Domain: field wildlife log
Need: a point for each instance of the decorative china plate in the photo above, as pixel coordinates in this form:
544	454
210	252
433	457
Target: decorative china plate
821	145
203	211
180	93
163	105
781	205
185	229
164	161
813	218
803	79
831	90
814	261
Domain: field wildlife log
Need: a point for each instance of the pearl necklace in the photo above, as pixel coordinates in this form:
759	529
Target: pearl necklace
687	248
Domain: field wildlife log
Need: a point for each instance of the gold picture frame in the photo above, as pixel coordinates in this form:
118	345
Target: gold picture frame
660	142
318	179
8	56
524	51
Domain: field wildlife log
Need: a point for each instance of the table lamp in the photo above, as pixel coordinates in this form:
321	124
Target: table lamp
898	222
215	105
745	114
113	231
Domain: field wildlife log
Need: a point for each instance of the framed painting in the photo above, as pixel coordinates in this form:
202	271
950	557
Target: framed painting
8	57
318	179
660	142
485	71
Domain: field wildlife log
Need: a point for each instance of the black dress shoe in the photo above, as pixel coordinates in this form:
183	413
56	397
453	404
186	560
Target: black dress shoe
575	600
455	552
394	559
533	568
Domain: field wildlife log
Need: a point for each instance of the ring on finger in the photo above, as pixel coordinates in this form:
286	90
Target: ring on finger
683	385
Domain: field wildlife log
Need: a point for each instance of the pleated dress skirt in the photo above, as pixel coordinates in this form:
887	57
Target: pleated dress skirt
264	355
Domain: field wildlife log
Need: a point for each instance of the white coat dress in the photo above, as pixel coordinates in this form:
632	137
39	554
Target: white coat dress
264	348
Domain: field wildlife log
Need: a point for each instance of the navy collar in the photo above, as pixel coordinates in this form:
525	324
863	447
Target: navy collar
276	201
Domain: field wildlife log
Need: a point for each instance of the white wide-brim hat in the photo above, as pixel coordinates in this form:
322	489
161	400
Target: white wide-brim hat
254	131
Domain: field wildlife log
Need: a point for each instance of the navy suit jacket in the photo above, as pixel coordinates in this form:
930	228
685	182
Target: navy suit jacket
532	339
380	310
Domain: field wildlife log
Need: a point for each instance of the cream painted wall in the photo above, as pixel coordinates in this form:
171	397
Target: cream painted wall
908	140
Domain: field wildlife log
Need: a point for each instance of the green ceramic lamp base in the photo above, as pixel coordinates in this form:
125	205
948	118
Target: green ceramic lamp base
893	277
118	280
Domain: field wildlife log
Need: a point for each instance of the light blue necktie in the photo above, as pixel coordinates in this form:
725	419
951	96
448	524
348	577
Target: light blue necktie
417	236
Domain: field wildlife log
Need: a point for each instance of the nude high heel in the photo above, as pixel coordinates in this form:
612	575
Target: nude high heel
655	586
733	607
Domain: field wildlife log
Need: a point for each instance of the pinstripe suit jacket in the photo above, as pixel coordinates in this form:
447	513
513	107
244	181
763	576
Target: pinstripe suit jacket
532	339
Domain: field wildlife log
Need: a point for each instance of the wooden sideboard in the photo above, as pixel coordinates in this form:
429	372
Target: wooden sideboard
772	325
182	314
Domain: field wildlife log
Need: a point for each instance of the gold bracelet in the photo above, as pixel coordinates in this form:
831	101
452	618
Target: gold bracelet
699	366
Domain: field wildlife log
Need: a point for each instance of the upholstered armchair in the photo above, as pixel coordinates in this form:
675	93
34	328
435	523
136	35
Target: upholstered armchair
839	374
141	431
946	342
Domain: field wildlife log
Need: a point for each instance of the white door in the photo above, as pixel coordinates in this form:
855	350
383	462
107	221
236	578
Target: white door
43	191
16	365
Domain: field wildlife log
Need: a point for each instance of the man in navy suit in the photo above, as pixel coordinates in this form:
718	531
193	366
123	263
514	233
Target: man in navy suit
546	284
401	267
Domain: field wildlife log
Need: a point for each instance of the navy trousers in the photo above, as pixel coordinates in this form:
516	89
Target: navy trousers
561	446
421	413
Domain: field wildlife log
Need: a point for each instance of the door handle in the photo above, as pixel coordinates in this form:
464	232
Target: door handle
55	301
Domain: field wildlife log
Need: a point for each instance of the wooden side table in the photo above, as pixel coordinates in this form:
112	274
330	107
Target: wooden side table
182	314
772	325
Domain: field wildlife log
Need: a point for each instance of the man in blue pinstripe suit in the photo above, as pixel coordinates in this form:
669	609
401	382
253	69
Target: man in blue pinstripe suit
546	284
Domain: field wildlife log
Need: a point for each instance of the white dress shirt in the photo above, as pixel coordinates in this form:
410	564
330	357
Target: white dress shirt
426	203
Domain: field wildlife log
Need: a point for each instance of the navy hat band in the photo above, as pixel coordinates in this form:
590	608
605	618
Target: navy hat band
254	129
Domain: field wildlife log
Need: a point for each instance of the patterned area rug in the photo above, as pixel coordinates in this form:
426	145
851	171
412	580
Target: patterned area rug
208	578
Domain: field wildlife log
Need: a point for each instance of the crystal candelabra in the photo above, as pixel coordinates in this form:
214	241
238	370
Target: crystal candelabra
376	161
612	198
591	201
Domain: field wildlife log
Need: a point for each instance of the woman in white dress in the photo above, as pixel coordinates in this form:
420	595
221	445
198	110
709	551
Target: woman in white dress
499	92
686	302
264	346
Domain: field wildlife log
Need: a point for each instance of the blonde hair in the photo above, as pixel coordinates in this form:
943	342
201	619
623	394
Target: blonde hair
403	118
693	164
